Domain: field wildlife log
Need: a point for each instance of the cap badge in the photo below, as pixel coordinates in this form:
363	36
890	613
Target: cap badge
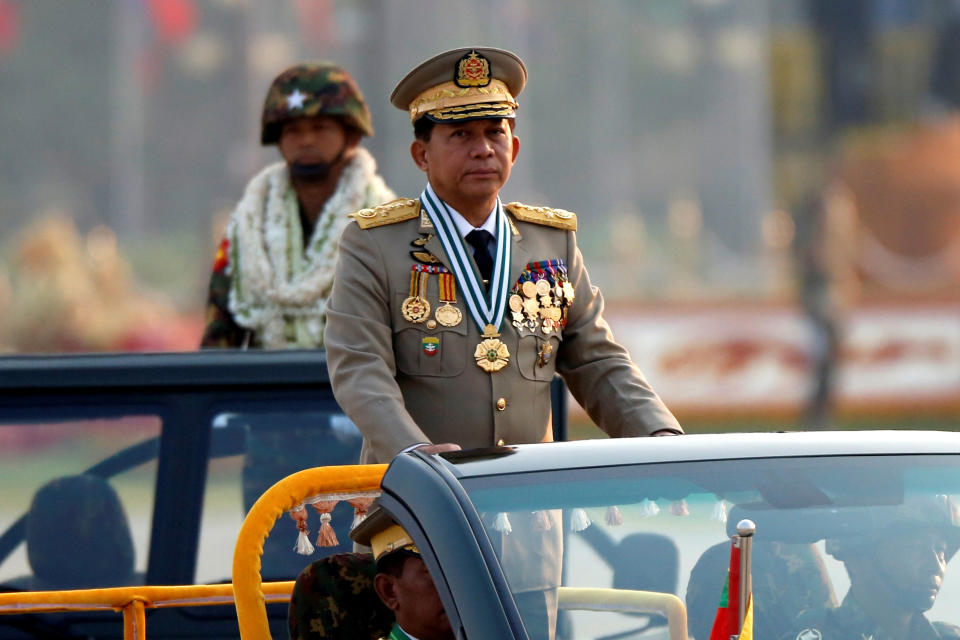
473	70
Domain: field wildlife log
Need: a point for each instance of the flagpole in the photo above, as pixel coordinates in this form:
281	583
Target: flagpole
745	531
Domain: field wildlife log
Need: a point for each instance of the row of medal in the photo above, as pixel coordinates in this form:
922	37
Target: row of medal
539	299
541	296
416	308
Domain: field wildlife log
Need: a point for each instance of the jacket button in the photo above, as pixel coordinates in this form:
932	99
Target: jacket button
431	324
501	404
500	442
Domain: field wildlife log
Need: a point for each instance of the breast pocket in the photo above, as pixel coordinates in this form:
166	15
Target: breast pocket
420	351
537	356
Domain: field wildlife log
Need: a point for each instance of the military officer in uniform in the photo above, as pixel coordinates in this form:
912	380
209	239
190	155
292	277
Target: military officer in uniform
450	313
403	582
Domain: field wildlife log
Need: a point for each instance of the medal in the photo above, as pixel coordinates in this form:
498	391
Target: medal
516	303
491	354
529	289
416	308
543	287
487	305
543	357
448	315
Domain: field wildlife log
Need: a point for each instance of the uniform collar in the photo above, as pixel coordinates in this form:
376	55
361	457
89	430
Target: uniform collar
464	227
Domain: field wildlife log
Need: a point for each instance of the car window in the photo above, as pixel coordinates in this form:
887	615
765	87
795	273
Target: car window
667	528
76	500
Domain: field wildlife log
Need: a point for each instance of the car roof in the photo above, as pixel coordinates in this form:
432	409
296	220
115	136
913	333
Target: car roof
690	448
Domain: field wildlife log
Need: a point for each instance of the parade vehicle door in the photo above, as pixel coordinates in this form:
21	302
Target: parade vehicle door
658	515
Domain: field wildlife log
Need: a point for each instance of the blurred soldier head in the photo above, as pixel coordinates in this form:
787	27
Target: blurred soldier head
315	114
462	104
403	581
900	562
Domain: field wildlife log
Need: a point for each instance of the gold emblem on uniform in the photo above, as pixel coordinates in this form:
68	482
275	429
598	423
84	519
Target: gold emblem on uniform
491	354
546	351
415	307
473	70
447	314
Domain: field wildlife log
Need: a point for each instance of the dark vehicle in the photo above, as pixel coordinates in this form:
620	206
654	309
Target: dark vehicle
138	469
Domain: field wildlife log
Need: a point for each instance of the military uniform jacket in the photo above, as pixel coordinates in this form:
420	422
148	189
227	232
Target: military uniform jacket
850	622
401	390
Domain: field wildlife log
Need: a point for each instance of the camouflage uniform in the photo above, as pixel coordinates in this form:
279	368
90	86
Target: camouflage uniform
304	90
849	622
787	578
334	597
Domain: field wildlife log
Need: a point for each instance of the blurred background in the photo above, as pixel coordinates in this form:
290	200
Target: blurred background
769	190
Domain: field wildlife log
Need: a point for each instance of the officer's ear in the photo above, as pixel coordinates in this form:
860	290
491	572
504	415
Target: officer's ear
386	587
418	151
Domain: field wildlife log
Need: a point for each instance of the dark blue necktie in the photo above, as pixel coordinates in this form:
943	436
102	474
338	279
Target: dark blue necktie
480	241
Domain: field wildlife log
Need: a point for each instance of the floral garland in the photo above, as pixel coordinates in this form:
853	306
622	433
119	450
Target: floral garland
278	289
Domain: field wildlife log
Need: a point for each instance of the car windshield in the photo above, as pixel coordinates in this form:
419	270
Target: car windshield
838	539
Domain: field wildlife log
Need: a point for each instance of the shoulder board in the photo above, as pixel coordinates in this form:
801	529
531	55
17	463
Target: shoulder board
395	211
559	218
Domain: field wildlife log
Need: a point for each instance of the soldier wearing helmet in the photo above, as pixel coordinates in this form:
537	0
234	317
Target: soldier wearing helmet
896	558
274	267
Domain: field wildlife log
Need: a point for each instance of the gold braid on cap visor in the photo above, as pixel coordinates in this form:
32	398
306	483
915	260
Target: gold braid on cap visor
447	101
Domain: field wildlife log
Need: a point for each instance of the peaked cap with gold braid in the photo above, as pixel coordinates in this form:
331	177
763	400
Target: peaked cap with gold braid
461	85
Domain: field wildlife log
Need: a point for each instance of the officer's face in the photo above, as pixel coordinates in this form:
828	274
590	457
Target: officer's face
413	598
914	566
468	161
313	140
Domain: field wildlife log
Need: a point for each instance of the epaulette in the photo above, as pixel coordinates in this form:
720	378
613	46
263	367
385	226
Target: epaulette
395	211
558	218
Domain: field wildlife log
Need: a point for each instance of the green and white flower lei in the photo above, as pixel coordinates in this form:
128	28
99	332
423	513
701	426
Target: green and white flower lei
278	289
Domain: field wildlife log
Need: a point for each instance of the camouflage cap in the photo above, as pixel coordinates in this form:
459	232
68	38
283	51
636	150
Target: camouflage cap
313	89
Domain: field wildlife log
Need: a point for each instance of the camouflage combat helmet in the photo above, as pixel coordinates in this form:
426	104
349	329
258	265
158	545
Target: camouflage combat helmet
939	513
313	89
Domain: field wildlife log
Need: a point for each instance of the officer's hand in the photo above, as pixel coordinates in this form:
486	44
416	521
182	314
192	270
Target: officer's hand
443	447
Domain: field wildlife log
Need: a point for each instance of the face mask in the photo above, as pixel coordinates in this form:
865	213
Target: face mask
315	172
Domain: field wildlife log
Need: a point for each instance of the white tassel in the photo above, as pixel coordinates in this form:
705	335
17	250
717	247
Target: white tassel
579	520
304	547
679	508
649	508
719	512
613	516
502	524
358	517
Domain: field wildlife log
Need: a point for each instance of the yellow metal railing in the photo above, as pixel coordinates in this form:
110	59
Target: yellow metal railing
132	601
287	494
248	592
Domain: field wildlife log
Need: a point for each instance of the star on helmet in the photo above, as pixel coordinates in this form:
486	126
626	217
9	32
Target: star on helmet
295	99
